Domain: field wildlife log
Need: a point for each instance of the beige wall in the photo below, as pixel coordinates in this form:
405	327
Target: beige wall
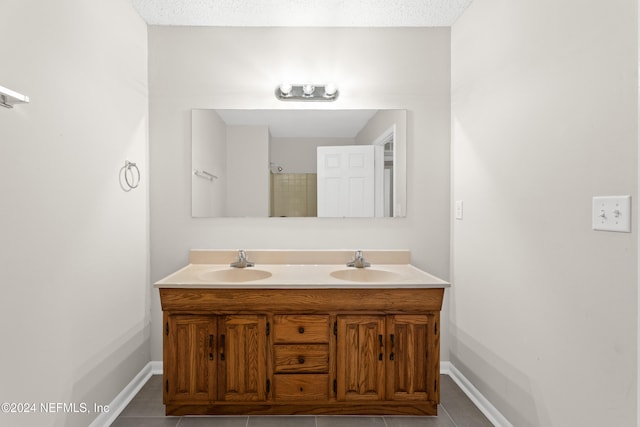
299	155
239	68
544	110
208	154
74	254
248	171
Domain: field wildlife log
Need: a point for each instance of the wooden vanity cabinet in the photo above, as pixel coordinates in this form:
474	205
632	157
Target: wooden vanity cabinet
413	370
242	358
189	360
209	358
301	351
393	357
301	357
360	357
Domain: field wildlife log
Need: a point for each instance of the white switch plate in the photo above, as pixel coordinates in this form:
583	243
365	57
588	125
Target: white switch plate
458	209
612	213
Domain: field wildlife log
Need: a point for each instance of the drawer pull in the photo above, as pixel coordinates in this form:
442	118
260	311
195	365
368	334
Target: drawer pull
301	330
301	360
301	389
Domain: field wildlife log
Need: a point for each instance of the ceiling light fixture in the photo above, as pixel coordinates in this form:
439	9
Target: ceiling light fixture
306	92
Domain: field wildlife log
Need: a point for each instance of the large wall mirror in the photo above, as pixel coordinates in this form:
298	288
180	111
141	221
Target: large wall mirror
296	163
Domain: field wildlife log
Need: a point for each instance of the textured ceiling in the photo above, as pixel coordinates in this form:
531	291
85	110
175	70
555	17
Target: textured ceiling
302	13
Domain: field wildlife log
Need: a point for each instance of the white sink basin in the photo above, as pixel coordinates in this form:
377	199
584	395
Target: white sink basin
235	275
365	275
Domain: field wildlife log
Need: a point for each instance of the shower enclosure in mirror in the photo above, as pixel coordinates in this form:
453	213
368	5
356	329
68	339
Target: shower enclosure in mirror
296	163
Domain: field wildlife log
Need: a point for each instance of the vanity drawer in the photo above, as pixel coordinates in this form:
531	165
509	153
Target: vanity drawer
302	358
301	387
309	329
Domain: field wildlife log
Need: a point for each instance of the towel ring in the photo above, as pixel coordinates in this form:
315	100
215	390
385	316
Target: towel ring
130	178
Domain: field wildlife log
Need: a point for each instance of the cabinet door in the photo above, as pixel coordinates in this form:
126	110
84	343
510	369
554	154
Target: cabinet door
242	358
189	358
412	361
360	361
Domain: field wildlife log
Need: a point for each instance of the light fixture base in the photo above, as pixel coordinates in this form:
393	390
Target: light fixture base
297	92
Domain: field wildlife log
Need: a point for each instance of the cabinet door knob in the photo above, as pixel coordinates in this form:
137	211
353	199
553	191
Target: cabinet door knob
301	360
301	330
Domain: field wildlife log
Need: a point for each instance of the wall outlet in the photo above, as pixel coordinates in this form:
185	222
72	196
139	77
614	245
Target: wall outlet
612	213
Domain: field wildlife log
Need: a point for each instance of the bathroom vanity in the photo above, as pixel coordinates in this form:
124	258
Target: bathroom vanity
301	333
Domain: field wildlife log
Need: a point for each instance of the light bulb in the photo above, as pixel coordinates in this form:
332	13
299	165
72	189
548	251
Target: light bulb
308	89
285	88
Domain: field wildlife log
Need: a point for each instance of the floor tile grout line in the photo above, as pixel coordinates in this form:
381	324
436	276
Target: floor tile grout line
448	415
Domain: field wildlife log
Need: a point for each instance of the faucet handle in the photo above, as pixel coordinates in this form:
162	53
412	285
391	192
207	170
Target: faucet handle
358	260
242	261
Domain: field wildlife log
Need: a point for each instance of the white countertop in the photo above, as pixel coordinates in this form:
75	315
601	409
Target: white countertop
300	276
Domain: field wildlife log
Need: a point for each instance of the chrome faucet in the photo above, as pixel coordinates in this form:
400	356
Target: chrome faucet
242	260
358	261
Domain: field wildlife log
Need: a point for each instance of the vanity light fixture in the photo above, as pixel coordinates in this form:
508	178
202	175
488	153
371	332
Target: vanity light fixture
307	92
8	98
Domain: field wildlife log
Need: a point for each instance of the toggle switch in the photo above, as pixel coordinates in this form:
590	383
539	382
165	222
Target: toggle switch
612	213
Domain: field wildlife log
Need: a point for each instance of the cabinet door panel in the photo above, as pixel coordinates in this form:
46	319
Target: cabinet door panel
413	342
242	361
190	365
360	361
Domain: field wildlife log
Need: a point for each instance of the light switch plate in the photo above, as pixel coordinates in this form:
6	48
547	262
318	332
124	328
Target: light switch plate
612	213
458	209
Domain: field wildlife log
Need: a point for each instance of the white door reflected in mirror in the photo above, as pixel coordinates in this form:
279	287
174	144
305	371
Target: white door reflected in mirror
346	181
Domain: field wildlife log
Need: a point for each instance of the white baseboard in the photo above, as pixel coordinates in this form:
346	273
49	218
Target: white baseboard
489	411
156	368
123	398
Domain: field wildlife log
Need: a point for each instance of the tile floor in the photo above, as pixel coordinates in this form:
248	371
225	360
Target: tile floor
147	410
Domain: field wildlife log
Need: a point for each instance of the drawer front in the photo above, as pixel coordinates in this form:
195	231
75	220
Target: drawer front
301	358
301	387
309	329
